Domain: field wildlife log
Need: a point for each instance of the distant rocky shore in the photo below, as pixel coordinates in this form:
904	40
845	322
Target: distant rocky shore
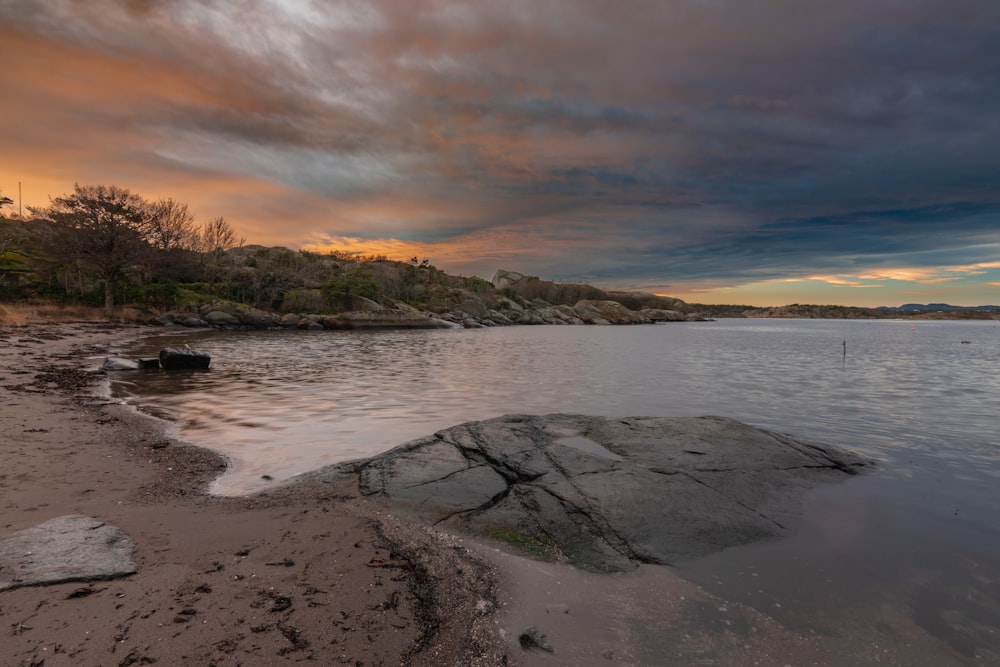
467	308
832	312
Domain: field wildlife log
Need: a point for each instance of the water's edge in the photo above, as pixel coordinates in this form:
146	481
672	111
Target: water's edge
918	534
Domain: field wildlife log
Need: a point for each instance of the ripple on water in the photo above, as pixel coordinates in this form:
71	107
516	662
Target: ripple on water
924	526
281	403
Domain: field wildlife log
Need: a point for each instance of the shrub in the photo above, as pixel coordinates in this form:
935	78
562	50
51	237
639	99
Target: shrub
304	301
338	293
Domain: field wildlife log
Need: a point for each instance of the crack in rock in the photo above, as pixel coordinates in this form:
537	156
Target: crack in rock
735	500
445	477
684	487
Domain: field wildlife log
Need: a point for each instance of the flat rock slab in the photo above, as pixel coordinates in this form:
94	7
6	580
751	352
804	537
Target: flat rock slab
67	548
606	494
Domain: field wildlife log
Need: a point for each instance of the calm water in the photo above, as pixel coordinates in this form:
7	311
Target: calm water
922	532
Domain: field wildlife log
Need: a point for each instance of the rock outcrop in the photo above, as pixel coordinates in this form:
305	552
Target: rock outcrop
67	548
607	312
174	359
223	314
602	493
505	279
219	318
662	315
512	298
382	319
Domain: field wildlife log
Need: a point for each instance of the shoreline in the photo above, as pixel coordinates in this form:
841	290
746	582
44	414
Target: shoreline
364	585
361	586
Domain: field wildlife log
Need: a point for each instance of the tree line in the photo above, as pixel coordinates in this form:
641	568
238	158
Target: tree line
107	236
106	244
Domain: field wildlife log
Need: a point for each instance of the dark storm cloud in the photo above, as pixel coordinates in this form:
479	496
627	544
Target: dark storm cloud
941	235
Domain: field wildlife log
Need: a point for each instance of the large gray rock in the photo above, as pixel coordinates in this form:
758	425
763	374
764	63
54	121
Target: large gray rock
499	318
218	318
311	322
383	319
473	308
600	312
227	313
528	317
608	493
362	304
67	548
661	315
406	308
290	321
120	364
508	304
503	279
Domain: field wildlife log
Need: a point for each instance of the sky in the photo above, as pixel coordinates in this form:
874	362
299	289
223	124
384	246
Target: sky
760	152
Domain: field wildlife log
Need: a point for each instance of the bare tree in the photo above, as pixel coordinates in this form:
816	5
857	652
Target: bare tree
4	201
171	226
218	236
175	239
103	227
5	241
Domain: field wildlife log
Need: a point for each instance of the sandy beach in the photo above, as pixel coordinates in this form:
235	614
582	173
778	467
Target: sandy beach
311	572
308	573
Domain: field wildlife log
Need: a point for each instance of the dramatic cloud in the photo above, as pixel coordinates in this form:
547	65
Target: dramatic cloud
679	146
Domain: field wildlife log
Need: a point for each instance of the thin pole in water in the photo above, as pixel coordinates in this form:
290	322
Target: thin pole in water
845	347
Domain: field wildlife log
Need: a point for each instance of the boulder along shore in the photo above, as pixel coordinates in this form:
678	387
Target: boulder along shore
315	570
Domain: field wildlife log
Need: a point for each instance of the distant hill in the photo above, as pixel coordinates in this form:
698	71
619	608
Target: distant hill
939	306
833	312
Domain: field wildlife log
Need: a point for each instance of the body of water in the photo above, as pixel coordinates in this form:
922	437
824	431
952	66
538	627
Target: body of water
920	534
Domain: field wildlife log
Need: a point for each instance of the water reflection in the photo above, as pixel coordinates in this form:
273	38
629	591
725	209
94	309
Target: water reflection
917	541
280	403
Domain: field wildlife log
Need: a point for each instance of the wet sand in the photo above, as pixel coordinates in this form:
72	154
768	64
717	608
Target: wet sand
311	572
306	573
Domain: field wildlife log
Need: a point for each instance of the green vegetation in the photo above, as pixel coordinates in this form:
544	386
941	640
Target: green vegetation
342	293
478	285
106	246
523	544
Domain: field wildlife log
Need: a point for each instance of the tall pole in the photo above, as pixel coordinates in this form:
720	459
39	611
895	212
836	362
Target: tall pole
20	214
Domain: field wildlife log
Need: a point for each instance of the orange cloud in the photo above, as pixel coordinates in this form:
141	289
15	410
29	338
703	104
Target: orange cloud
930	274
838	280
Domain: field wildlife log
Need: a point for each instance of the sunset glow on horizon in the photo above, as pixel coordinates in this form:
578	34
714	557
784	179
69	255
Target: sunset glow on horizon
760	153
